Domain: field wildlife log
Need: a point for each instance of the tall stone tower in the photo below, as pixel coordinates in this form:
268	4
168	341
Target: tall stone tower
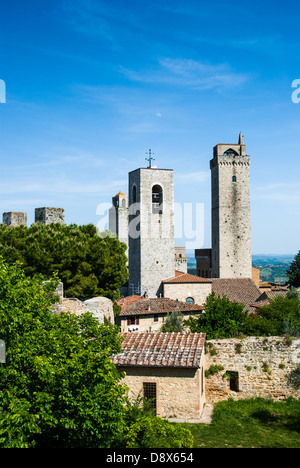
118	217
151	230
231	222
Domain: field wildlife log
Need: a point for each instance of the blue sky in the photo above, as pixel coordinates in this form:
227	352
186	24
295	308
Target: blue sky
91	85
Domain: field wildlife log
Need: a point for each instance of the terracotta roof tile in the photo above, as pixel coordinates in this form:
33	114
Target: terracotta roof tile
187	278
124	301
241	290
161	350
156	306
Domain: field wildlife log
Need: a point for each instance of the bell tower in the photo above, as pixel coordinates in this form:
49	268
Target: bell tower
151	230
231	219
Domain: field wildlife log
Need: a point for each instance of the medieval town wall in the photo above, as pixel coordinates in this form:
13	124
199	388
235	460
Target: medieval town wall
251	367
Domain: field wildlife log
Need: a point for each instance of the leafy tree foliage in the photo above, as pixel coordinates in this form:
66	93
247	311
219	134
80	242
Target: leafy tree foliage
174	322
145	430
280	317
88	265
222	318
293	272
58	387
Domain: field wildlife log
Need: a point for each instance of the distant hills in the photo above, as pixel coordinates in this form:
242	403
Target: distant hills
272	267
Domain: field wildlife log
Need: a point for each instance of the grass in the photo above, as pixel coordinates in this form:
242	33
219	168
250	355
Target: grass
252	423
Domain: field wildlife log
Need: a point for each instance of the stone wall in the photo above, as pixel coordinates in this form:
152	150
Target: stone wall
251	367
100	307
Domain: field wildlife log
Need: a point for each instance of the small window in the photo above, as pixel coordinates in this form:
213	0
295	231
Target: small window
190	300
150	394
134	194
155	318
133	320
233	380
234	178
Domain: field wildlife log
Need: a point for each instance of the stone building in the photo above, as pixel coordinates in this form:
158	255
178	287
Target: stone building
168	370
230	254
50	215
15	219
151	230
180	259
231	221
118	217
149	315
187	288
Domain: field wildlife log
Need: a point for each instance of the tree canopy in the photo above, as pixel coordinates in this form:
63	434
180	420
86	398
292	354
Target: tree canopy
222	318
88	265
293	272
58	387
280	317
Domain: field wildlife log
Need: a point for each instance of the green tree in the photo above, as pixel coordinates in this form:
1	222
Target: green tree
88	263
221	319
174	322
281	316
293	272
58	387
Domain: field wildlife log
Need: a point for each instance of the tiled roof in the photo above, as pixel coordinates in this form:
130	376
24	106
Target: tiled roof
156	306
187	278
124	301
161	350
241	290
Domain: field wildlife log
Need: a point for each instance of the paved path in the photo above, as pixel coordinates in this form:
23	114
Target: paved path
207	414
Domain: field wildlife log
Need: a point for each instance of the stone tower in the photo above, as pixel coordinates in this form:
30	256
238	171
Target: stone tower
151	230
118	217
15	219
231	223
49	215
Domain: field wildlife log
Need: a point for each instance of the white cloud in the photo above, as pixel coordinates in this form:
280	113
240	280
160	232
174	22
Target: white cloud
189	73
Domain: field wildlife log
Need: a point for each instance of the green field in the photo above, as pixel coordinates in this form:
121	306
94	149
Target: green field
253	423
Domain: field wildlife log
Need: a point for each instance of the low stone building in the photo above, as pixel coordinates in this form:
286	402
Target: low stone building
187	288
141	314
168	370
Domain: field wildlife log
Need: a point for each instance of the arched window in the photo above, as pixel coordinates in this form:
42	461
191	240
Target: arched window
234	178
230	152
190	300
157	199
123	203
